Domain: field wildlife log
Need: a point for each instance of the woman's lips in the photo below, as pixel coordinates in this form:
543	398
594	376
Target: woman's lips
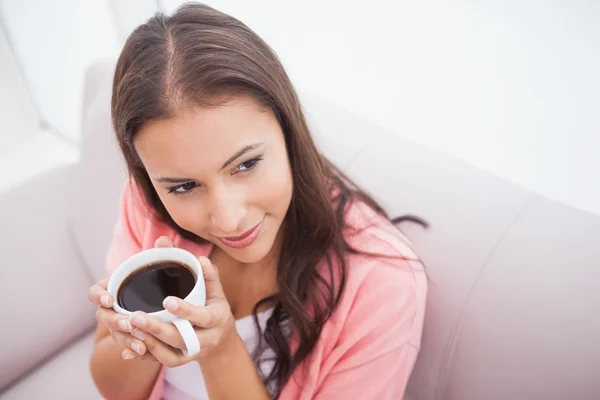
245	239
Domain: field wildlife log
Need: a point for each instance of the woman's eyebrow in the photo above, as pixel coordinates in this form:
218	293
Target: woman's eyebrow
240	153
174	180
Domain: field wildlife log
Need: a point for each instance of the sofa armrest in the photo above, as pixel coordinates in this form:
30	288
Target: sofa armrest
43	284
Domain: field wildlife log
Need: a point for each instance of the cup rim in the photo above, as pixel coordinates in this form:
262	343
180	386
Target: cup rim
144	257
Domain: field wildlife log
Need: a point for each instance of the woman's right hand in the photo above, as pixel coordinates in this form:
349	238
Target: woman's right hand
118	325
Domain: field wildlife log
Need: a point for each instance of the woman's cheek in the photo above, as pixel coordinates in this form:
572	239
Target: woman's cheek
274	185
186	213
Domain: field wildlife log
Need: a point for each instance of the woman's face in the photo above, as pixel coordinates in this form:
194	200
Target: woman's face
222	173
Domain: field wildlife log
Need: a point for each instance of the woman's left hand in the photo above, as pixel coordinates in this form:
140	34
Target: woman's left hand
214	323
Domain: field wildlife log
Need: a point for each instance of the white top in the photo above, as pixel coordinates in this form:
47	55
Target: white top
186	382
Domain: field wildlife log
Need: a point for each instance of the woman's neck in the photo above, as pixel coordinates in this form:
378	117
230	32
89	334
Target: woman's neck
244	284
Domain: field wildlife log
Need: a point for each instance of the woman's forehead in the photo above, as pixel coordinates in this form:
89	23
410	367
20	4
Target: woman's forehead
205	136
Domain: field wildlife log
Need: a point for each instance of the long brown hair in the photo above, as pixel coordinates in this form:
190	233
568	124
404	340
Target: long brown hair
200	56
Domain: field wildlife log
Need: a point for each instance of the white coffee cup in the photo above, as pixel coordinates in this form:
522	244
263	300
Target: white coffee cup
196	297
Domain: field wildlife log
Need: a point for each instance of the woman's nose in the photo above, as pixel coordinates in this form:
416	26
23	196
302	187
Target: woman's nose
227	213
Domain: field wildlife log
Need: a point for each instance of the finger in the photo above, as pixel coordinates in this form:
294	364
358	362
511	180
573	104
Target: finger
98	295
214	290
163	241
165	354
166	332
129	342
214	315
128	354
209	339
112	320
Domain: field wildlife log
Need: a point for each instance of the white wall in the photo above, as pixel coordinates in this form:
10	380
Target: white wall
17	114
510	86
131	13
55	41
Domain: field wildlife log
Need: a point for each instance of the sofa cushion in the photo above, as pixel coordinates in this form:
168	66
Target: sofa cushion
42	279
99	176
530	328
65	376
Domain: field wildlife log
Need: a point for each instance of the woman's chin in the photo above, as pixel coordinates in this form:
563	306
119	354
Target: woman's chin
248	255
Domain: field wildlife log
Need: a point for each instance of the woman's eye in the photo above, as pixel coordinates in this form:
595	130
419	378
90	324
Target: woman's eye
248	165
184	188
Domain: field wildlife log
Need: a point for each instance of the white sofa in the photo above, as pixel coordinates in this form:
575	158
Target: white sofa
514	300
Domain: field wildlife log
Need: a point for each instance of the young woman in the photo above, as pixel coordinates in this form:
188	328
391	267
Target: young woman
317	294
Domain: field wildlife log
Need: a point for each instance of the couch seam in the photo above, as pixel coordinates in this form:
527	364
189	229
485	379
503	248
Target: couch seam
79	251
449	353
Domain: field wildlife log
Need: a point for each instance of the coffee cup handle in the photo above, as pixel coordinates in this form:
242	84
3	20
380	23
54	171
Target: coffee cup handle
189	336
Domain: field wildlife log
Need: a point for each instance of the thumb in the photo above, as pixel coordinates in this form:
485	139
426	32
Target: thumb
163	241
211	279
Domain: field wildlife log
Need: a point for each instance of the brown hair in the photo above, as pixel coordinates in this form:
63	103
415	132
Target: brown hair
199	56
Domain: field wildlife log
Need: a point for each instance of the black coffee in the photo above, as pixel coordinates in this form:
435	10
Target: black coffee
146	288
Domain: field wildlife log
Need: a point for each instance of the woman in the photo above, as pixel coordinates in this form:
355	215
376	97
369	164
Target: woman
317	295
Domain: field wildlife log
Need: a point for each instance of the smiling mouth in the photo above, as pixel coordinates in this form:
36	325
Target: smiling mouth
245	239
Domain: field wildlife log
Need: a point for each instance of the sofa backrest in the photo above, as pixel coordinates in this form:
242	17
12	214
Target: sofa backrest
513	300
100	174
512	307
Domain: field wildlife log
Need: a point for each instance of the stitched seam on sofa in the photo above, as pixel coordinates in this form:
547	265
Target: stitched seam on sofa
452	342
79	252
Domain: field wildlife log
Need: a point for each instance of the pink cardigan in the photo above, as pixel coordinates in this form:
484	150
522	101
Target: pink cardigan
369	346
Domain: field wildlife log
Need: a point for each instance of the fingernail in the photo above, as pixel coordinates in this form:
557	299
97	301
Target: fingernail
105	300
138	334
204	260
137	348
124	325
170	304
127	355
138	321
